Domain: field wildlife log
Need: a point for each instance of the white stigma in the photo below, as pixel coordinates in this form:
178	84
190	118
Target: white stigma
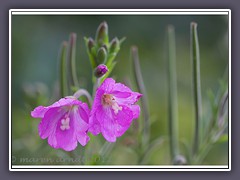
65	124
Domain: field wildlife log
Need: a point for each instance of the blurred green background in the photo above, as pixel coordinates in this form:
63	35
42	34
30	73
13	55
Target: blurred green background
36	41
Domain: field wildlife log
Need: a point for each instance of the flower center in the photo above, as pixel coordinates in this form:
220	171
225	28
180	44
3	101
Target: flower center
109	100
65	123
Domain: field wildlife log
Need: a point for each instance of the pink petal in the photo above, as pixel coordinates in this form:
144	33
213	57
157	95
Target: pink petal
94	126
123	120
97	99
79	124
67	101
49	122
121	94
83	138
125	95
136	111
39	112
125	116
66	139
120	130
52	141
84	112
108	123
107	85
121	87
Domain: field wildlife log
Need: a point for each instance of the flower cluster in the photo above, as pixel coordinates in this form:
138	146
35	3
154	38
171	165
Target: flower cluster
67	121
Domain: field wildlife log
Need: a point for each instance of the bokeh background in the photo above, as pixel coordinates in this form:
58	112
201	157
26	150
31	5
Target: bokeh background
36	42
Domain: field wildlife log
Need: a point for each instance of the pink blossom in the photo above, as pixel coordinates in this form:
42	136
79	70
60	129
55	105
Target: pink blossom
113	110
64	123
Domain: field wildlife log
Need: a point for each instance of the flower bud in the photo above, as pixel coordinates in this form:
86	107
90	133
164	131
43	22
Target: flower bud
115	45
91	44
100	70
102	33
105	47
101	55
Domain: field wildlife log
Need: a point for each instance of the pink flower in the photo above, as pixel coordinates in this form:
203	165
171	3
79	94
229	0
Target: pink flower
113	110
64	123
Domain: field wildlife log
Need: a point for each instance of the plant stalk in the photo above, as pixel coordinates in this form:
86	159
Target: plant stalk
63	70
172	96
72	59
83	92
144	101
195	58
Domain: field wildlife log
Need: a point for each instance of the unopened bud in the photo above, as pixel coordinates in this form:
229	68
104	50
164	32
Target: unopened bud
102	33
115	45
91	44
100	70
101	55
105	47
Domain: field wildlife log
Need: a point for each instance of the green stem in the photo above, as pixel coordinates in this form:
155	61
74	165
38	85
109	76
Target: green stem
63	70
173	103
195	58
72	59
96	85
144	102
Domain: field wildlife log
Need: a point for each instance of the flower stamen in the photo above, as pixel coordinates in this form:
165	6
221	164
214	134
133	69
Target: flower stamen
109	100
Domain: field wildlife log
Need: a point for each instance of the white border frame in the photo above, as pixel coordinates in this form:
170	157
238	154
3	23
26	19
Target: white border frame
119	12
